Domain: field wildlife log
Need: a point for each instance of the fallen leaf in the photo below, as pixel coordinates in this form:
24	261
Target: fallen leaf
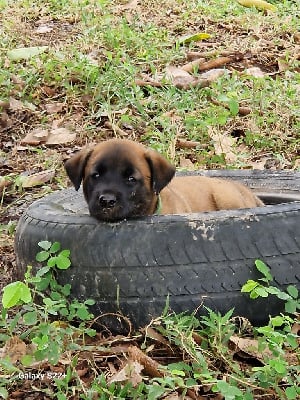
54	108
17	105
38	179
186	163
193	65
131	5
60	136
250	347
255	71
4	183
178	76
14	348
213	74
131	372
35	137
223	145
196	37
25	53
282	65
44	29
260	4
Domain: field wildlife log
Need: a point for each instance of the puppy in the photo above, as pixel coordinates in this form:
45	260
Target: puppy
123	179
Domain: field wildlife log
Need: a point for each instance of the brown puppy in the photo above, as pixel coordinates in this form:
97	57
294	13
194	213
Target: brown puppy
123	179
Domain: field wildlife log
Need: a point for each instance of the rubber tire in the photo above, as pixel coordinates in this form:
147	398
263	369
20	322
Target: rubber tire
198	259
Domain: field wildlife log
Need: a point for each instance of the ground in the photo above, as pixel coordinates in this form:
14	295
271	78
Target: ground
93	70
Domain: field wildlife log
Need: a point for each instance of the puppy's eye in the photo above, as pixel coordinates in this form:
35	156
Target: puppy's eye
131	179
95	175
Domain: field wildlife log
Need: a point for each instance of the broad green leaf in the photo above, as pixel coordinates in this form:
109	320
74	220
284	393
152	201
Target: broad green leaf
15	292
42	271
55	247
291	393
27	360
249	286
277	321
42	256
264	269
30	318
65	253
233	107
261	291
62	262
290	307
44	244
89	302
293	291
25	53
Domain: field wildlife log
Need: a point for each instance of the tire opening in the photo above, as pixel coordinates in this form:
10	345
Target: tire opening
278	198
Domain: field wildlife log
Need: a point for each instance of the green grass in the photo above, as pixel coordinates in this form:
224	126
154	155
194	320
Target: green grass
100	54
96	50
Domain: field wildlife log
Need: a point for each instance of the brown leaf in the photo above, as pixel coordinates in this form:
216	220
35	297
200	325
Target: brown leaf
60	136
131	372
223	144
38	179
153	334
4	183
178	76
255	72
43	29
213	74
17	105
250	347
186	144
151	367
282	65
193	65
186	163
36	137
53	108
131	5
14	348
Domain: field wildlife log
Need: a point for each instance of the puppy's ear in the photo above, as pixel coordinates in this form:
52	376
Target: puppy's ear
161	170
75	166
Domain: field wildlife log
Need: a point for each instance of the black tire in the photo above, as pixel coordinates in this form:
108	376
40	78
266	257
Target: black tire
197	259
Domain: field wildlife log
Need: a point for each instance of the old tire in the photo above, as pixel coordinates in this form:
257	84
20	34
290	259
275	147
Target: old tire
197	259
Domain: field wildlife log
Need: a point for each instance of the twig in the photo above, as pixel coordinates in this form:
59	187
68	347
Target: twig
115	128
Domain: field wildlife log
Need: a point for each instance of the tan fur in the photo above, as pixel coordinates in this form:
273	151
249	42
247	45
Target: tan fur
154	176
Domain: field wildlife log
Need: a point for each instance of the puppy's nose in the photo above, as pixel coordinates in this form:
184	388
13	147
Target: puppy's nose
107	200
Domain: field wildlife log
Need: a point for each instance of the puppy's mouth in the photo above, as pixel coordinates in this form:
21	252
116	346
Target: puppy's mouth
118	212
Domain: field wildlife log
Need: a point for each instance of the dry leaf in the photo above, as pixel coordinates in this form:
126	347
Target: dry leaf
282	65
213	74
255	71
4	183
178	76
60	136
14	348
44	29
186	163
223	144
54	108
131	5
36	137
250	346
130	373
38	179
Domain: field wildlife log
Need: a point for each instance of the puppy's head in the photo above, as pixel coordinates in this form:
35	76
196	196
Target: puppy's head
121	178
